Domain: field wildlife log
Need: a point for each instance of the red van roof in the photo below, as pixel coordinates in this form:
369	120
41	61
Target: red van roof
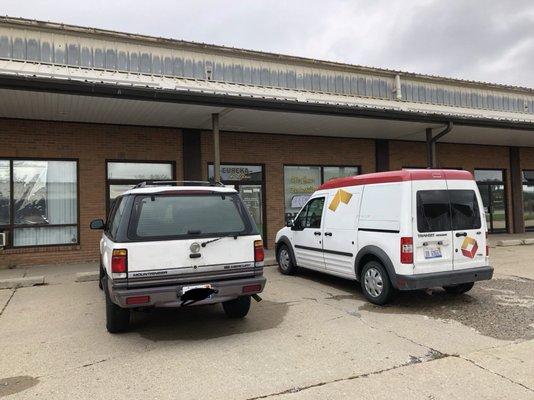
398	176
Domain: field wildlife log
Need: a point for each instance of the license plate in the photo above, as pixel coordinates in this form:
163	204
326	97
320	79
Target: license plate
432	252
186	289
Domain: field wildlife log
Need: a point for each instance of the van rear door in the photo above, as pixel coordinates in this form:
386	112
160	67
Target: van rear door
468	225
432	239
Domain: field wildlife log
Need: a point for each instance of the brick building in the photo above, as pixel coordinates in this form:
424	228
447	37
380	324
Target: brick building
86	114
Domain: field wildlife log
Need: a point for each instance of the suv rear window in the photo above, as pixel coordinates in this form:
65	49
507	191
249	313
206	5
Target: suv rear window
446	210
164	216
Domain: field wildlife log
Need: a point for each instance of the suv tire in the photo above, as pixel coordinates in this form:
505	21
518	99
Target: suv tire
117	318
237	308
101	276
375	283
286	264
459	289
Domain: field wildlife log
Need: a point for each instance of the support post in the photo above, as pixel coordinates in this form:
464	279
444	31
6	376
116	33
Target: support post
516	186
216	148
431	141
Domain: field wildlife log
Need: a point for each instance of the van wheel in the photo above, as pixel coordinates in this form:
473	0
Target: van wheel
237	308
286	265
117	318
459	289
375	283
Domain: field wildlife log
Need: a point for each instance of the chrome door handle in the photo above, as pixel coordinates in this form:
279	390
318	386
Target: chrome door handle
458	234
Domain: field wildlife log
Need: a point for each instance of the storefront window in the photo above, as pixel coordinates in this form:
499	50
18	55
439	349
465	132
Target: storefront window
5	195
44	202
528	199
300	181
492	189
123	176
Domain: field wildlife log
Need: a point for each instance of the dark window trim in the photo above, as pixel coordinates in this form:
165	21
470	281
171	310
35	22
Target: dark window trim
504	183
11	226
130	181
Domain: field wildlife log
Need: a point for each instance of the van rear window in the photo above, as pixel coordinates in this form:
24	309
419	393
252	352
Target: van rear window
445	210
166	216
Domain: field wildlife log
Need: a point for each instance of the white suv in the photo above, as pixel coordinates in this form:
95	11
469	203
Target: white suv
399	230
166	245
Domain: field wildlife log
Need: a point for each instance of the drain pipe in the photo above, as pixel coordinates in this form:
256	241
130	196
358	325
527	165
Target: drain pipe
431	144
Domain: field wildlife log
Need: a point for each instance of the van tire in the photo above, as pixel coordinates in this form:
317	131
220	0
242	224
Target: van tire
237	308
285	261
377	281
117	318
459	289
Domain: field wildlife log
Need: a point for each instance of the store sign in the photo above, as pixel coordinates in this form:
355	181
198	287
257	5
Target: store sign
238	172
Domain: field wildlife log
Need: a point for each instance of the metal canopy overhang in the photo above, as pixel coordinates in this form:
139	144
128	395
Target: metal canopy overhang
289	116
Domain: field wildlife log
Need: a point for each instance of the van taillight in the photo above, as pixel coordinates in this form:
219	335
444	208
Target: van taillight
119	261
259	255
406	250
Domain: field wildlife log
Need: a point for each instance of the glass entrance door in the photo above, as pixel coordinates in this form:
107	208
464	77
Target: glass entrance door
494	206
252	197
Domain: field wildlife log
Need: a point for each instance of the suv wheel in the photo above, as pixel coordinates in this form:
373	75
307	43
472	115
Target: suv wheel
285	261
375	283
237	308
459	289
117	318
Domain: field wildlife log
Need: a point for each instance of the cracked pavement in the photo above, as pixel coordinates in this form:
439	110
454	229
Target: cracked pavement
312	337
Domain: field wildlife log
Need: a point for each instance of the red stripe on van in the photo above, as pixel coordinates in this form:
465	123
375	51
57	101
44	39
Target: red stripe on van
398	176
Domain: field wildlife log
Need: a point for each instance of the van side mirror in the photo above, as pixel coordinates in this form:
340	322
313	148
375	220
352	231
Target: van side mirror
97	224
297	225
290	222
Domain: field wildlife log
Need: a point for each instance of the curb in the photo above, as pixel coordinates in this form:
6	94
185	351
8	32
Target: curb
15	283
514	242
87	276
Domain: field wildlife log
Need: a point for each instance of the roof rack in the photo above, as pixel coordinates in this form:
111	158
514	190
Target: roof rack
177	183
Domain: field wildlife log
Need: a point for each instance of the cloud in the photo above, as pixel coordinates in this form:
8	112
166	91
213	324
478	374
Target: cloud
486	40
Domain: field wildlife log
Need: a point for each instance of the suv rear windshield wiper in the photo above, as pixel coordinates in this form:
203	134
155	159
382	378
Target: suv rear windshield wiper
234	235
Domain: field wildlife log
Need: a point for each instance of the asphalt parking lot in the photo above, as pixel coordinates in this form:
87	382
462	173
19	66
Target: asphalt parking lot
312	337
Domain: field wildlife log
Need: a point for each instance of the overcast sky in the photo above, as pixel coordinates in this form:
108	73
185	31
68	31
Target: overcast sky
486	40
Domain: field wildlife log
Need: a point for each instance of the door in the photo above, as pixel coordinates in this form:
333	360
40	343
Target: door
432	239
307	235
252	197
468	232
339	232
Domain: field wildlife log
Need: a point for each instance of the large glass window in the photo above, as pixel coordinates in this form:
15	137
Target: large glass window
300	181
528	199
44	202
123	176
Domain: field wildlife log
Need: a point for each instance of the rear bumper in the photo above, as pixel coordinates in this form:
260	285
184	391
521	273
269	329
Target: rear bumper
424	281
169	296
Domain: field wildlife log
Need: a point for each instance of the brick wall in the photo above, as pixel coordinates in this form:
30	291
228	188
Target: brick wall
91	144
276	150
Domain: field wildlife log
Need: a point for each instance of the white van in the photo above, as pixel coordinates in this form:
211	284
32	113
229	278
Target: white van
174	245
405	230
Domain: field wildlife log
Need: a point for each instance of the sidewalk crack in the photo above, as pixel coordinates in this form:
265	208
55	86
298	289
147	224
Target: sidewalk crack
7	302
496	373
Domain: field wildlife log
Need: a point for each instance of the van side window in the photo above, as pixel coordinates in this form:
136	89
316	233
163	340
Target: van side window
433	211
465	211
314	213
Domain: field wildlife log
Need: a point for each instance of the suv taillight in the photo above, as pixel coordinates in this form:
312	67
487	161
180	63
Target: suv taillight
259	255
406	250
119	261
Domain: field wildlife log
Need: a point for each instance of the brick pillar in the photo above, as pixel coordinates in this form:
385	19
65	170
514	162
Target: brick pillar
516	185
192	162
381	155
